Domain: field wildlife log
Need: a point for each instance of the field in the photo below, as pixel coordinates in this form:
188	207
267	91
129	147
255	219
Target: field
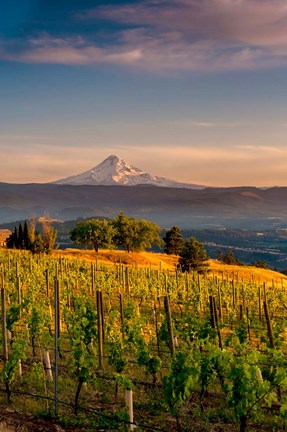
199	352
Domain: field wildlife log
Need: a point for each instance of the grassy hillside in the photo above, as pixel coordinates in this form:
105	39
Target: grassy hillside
163	261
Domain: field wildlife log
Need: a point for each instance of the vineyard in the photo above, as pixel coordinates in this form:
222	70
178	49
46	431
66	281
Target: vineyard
141	348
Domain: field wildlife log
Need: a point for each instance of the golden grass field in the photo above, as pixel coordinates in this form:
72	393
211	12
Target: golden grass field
163	261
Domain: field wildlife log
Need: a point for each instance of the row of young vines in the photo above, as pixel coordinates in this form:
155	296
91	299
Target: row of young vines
189	346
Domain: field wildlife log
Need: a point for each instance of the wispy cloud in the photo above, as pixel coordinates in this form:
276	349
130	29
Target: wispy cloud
67	51
172	35
256	22
206	124
203	34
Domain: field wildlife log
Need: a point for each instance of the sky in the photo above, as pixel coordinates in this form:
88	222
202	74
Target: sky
192	90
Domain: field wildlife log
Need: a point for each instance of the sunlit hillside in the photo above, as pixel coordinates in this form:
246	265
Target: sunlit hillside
163	261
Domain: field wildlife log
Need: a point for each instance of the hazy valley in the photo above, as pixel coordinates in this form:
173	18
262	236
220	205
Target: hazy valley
251	221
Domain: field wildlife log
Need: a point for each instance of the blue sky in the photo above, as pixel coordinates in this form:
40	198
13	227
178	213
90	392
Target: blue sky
193	90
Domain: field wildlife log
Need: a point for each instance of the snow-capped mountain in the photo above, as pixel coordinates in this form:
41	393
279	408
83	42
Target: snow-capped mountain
115	171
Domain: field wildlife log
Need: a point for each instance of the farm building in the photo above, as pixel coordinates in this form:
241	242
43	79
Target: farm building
4	234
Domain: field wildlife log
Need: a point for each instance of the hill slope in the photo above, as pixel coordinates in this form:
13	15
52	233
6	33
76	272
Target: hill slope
163	261
215	207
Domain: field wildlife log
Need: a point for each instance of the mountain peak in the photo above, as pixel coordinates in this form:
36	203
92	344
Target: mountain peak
112	158
116	171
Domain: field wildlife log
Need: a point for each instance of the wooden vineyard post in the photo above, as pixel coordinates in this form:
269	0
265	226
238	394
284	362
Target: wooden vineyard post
243	296
122	313
156	329
169	324
259	304
19	290
248	324
57	334
100	330
4	324
93	279
20	368
211	306
269	327
198	283
102	315
201	309
61	265
219	302
216	323
186	285
165	283
271	337
127	282
48	368
129	402
233	294
47	282
241	312
264	291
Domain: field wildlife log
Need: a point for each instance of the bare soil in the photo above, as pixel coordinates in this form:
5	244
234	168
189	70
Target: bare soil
12	421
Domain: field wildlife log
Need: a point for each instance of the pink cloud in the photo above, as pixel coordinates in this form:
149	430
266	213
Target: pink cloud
175	35
249	21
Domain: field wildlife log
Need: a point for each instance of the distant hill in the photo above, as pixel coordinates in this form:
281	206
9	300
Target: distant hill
242	207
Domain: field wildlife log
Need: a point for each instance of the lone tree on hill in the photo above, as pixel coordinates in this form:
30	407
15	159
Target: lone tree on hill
173	241
193	256
135	234
95	232
229	258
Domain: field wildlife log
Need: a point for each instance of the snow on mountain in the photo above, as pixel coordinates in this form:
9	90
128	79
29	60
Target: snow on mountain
115	171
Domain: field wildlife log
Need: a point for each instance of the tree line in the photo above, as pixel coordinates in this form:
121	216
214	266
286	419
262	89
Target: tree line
27	237
138	234
123	232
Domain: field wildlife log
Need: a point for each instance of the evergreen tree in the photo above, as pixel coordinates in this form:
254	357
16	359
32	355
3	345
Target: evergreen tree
38	245
16	239
219	255
193	256
20	237
29	239
173	241
230	259
26	240
11	240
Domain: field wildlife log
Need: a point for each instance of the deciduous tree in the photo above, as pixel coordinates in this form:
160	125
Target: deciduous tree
135	234
95	232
